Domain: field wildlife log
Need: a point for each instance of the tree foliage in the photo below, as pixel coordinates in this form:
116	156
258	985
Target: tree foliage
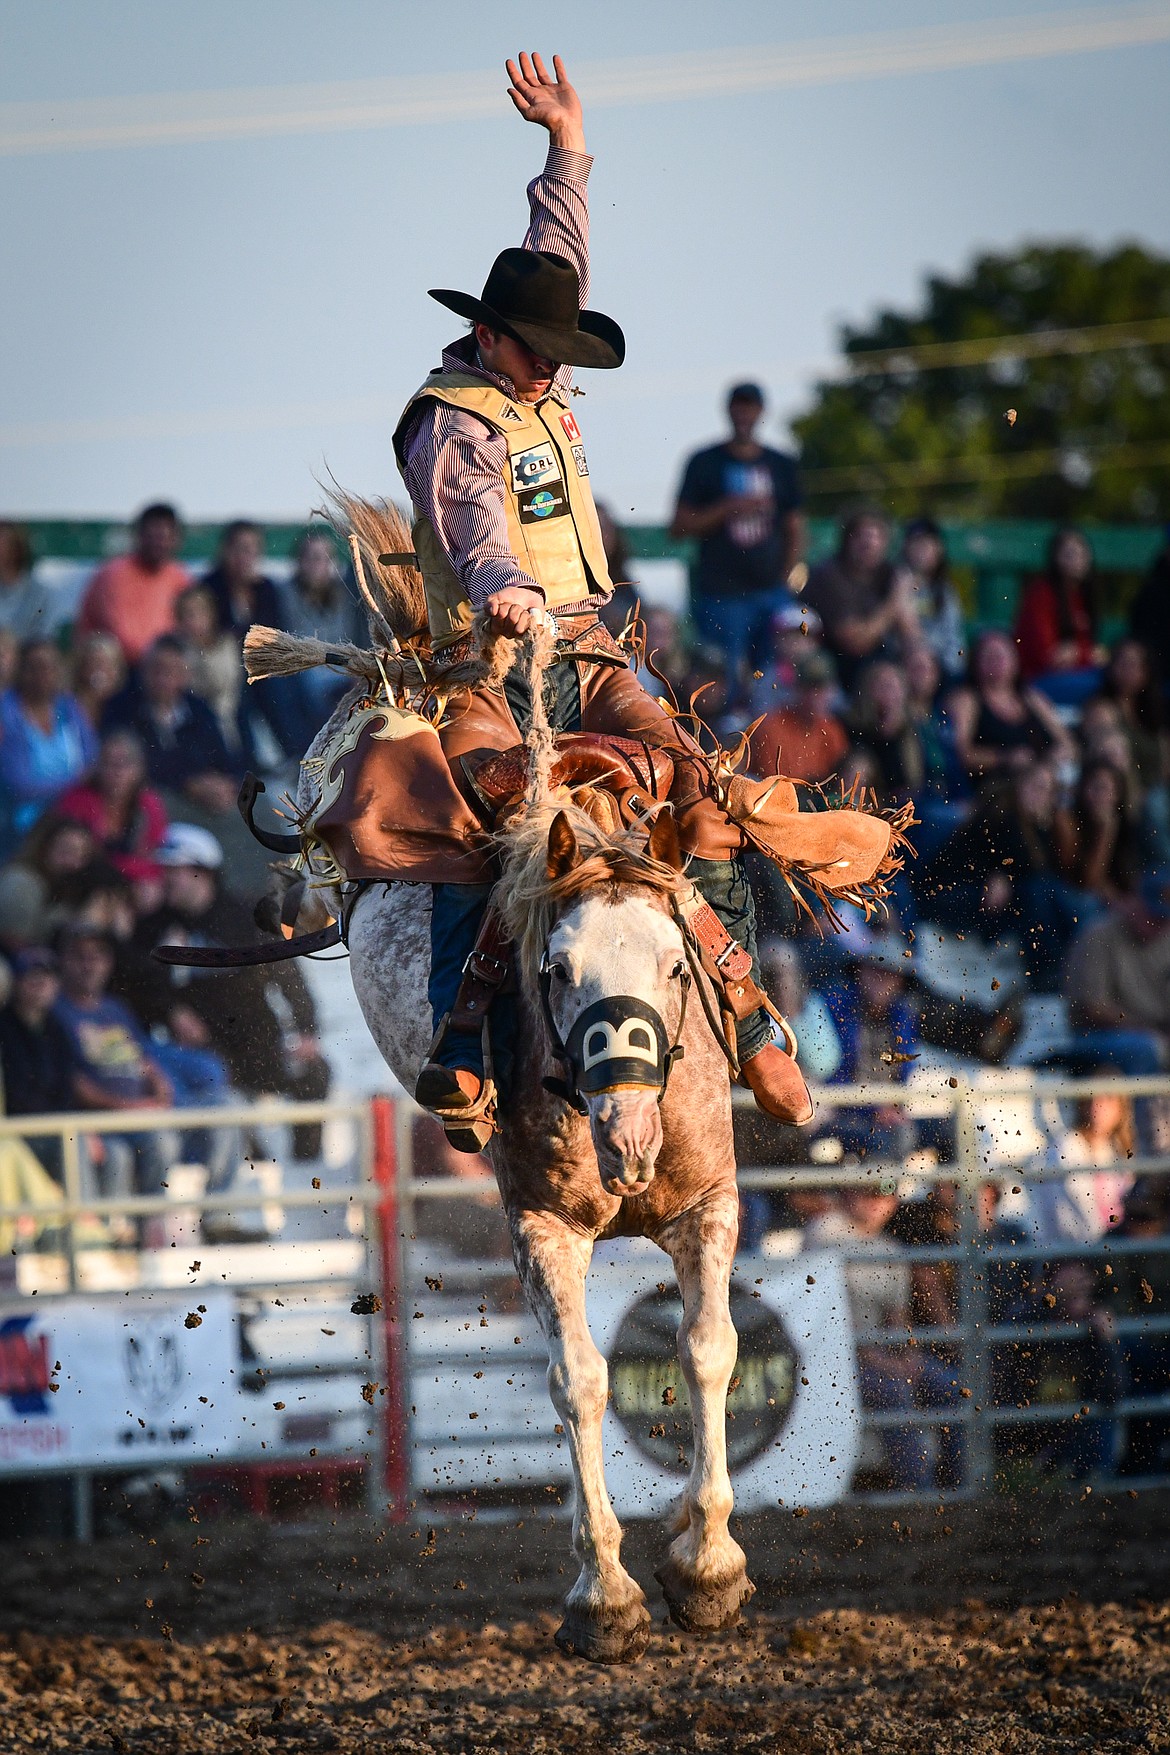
1090	438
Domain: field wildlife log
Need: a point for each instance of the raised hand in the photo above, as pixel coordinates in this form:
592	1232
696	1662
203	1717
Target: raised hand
548	101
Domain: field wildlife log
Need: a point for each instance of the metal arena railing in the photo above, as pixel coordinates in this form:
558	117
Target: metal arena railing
376	1197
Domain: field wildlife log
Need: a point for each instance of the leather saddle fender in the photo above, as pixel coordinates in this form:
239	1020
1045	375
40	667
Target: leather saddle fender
601	762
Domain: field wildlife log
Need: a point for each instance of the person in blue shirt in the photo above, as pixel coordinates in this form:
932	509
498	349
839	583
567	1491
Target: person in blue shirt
185	748
112	1065
46	742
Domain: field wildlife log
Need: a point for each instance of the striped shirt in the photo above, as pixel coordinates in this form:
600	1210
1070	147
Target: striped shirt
454	464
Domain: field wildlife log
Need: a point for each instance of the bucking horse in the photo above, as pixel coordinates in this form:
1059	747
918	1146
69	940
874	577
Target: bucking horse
619	1121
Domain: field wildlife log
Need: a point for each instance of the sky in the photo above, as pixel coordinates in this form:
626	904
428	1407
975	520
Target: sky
221	319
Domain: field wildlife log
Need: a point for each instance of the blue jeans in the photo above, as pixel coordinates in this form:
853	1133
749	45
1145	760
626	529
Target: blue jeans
200	1081
908	1447
734	624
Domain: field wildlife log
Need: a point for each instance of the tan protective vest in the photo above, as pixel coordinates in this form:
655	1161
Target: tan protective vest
552	521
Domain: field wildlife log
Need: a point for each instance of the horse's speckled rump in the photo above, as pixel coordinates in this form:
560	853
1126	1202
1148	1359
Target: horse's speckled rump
1036	1628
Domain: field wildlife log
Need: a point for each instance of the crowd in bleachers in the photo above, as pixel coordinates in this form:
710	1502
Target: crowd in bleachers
1032	928
125	730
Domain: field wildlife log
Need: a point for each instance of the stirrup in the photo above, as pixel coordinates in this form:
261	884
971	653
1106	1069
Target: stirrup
469	1127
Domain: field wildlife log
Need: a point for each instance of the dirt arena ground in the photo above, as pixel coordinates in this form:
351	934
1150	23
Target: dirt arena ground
1034	1627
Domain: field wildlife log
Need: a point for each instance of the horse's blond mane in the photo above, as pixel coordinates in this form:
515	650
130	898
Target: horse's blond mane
530	899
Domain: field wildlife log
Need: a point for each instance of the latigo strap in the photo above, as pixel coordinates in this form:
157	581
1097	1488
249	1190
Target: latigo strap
724	958
484	974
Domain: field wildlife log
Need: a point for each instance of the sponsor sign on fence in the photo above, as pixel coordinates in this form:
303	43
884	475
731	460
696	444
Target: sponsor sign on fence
110	1383
482	1417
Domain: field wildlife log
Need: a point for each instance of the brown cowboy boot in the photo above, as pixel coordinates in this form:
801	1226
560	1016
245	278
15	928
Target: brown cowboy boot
777	1084
462	1101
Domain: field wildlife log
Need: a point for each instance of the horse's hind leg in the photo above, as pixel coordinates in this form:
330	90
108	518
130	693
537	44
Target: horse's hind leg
704	1576
606	1618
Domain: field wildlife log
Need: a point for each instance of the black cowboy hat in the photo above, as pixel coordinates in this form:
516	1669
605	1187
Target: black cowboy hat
535	297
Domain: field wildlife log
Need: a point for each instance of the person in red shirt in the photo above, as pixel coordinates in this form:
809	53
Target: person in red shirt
804	740
126	817
1056	627
133	596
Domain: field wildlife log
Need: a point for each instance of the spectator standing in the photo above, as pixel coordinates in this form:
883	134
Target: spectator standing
112	1064
242	592
936	602
185	750
998	724
804	740
133	596
867	606
1056	627
742	501
46	742
27	607
127	819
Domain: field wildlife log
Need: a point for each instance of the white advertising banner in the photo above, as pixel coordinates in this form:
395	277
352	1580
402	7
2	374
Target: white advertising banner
118	1382
794	1415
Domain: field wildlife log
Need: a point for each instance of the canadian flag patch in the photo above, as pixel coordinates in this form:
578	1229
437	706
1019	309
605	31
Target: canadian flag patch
572	430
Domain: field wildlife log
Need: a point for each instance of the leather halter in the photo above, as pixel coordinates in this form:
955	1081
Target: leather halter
569	1088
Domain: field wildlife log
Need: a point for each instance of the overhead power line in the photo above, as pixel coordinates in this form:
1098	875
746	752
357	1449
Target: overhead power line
264	112
986	349
944	471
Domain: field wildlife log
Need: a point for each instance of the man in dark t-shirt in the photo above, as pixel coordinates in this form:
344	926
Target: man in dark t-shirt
742	501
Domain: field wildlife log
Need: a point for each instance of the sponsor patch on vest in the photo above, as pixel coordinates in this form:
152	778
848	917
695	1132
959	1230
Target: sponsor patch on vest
579	460
572	430
536	468
507	412
537	504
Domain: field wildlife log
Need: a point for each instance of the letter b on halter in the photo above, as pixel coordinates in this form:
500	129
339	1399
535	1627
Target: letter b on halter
617	1041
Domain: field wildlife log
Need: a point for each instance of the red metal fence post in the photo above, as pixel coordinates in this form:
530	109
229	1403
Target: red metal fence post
385	1175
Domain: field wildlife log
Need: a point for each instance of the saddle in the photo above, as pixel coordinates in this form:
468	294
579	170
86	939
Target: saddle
619	781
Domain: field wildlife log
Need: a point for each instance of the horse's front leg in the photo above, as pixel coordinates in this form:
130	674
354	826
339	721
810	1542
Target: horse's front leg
704	1577
606	1618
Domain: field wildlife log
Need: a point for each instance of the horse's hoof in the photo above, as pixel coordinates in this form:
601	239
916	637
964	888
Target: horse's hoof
615	1637
706	1607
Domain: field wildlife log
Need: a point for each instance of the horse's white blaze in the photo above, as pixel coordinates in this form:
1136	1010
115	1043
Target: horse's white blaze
628	948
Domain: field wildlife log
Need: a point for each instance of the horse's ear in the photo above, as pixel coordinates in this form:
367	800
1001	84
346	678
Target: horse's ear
663	843
563	851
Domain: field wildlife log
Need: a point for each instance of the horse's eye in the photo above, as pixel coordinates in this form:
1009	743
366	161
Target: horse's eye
559	970
678	968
